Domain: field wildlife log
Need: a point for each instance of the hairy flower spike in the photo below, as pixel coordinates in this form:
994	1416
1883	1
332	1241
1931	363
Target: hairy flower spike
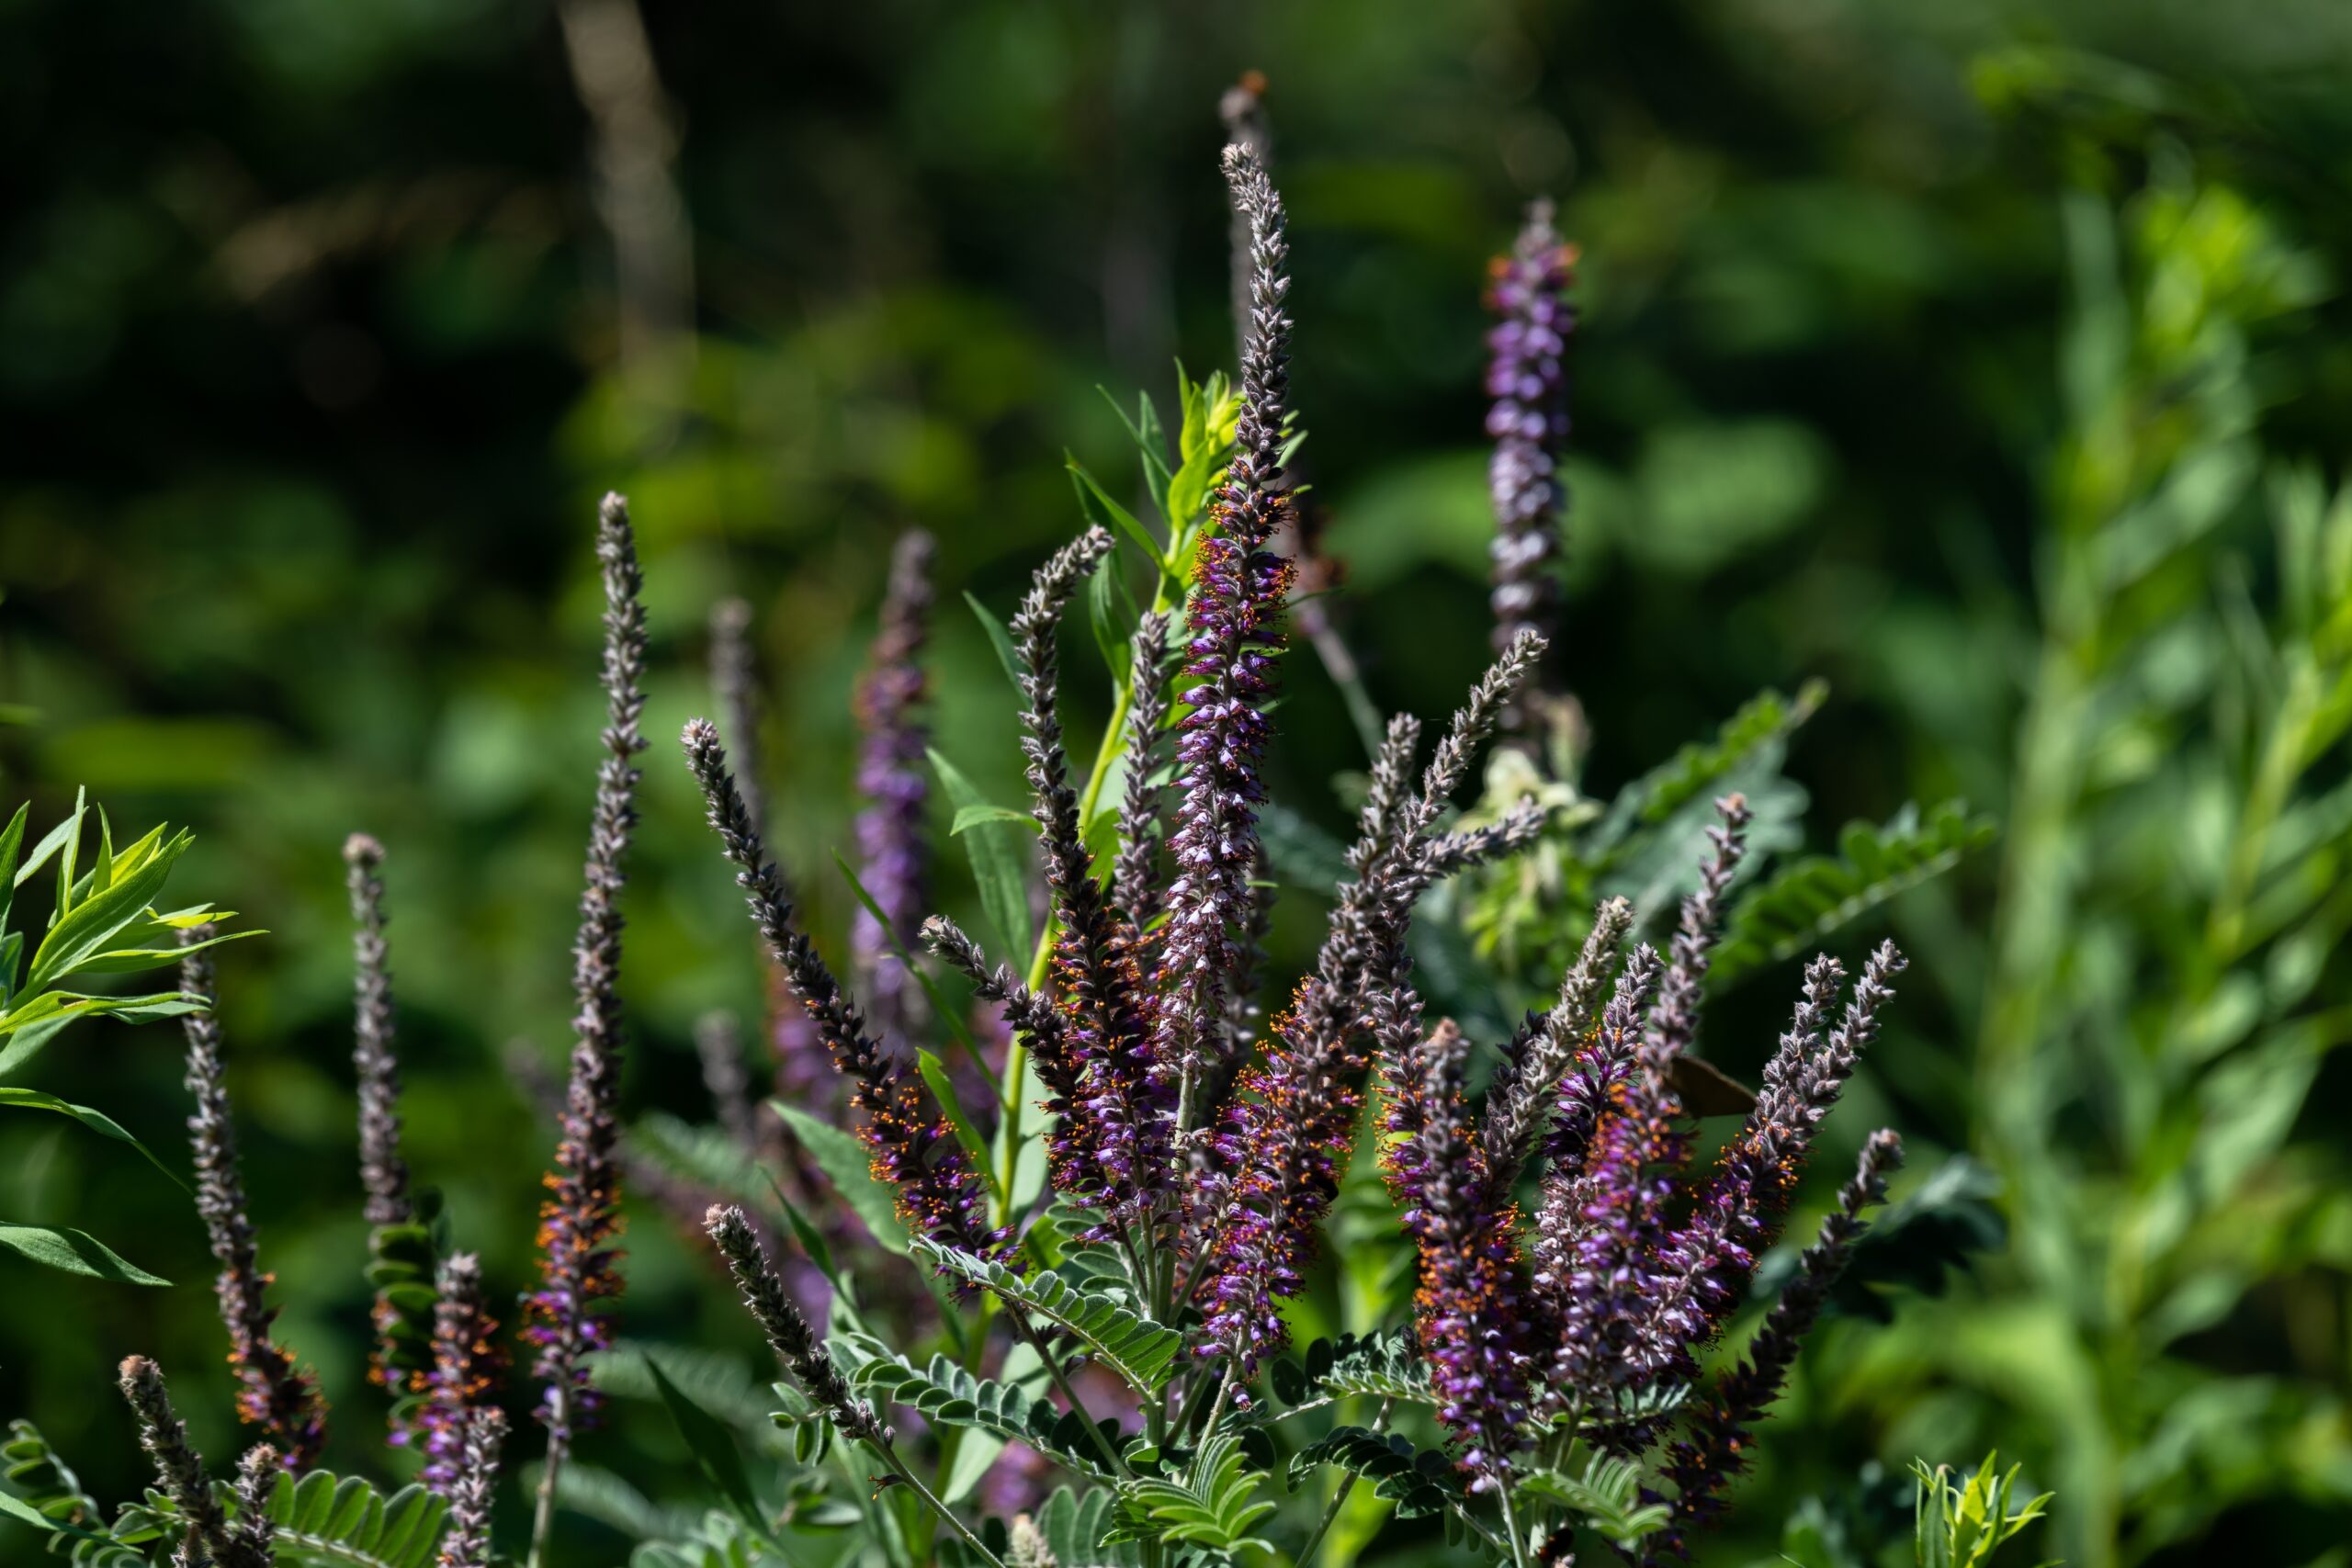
892	788
1521	1099
1706	1264
468	1367
581	1214
1527	379
1233	619
277	1395
795	1342
380	1168
252	1539
1109	1144
473	1496
179	1469
1701	1463
1476	1308
1267	1175
939	1193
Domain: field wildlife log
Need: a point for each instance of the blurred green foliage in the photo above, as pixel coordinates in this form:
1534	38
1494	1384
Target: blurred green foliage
1984	360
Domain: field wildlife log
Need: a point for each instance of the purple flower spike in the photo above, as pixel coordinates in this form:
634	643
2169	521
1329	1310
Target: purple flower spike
893	788
1476	1309
1527	379
1233	622
577	1223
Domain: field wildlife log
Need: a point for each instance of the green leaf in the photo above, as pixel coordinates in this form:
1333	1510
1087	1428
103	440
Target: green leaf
1609	1496
54	1499
947	1394
934	1073
711	1444
1141	1352
1215	1507
1000	862
1419	1481
1692	772
1095	503
998	639
1112	614
1377	1366
97	1121
75	1252
53	841
91	924
973	815
1075	1526
37	1022
1805	900
1148	434
846	1163
329	1521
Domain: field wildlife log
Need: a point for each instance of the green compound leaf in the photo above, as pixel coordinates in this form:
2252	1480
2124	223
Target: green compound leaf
1609	1496
1382	1366
1806	900
1074	1526
328	1521
947	1394
1419	1481
1215	1508
1649	800
1141	1352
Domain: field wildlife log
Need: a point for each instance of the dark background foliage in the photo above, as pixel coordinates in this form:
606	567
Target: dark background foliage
314	356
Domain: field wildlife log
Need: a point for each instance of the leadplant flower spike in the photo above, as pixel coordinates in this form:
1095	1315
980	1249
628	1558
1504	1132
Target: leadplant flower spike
797	1344
252	1539
382	1171
1113	1102
939	1193
1233	627
1528	421
275	1394
465	1540
1269	1164
893	788
468	1369
179	1469
581	1214
1133	880
1704	1461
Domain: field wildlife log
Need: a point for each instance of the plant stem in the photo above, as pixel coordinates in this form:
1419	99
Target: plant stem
1347	1484
543	1512
900	1471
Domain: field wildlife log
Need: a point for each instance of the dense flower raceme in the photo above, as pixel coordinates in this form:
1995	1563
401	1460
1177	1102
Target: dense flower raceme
1233	619
468	1368
1528	419
892	788
277	1395
581	1214
939	1193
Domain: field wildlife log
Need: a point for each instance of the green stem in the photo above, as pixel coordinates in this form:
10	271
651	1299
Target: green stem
898	1472
1347	1485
